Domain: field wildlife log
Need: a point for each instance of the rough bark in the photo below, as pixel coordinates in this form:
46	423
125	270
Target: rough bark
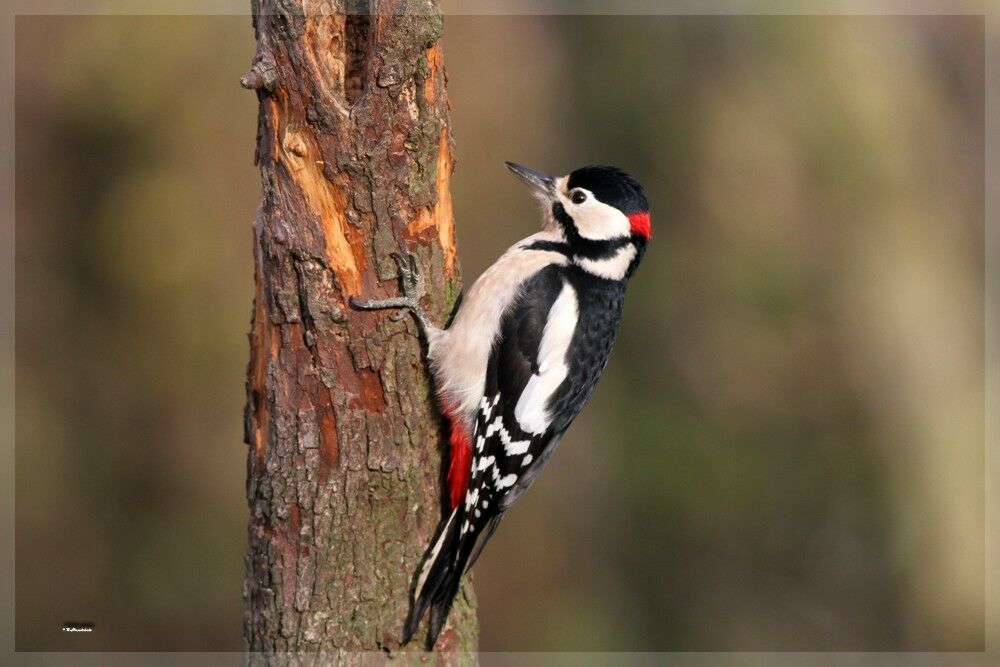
345	463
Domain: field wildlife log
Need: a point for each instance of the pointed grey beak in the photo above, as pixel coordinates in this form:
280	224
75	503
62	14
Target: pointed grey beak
542	185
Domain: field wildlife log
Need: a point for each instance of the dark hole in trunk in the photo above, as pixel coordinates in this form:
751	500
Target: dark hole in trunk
358	30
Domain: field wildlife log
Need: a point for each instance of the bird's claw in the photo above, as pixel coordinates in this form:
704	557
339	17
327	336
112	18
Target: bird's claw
410	276
414	289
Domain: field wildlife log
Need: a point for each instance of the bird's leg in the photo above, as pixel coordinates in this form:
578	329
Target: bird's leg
414	288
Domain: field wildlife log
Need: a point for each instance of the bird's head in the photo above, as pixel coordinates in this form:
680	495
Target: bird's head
601	212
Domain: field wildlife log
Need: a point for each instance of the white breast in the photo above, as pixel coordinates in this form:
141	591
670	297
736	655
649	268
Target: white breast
460	354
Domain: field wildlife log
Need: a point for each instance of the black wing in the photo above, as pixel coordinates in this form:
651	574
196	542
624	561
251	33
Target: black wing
505	458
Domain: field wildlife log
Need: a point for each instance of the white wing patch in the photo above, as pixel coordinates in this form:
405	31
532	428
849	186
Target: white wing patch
471	498
506	481
530	410
487	406
512	447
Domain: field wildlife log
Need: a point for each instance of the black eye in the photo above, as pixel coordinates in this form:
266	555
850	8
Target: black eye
578	196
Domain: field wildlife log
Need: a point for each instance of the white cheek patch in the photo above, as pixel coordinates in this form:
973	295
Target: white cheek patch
595	220
530	411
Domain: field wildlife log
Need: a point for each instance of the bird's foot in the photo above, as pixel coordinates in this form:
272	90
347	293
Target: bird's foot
410	275
414	288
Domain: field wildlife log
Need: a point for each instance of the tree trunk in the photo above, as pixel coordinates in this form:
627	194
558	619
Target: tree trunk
345	463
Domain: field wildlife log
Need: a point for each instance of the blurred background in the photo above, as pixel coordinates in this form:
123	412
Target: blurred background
786	451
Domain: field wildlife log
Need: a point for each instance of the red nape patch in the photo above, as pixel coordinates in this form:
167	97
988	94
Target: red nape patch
461	459
640	224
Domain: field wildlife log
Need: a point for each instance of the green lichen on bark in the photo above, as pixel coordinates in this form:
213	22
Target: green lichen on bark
424	142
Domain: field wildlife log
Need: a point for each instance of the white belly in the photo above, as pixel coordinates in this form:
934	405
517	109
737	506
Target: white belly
460	354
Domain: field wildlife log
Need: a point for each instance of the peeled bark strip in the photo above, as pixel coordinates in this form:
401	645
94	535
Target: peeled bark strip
345	463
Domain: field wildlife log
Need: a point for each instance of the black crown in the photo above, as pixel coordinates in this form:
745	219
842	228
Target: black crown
611	186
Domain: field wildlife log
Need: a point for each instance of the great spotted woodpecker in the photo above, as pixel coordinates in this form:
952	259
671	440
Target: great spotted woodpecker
521	357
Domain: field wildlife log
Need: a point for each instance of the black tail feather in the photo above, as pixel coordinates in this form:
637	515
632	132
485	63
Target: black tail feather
439	613
436	572
439	578
444	597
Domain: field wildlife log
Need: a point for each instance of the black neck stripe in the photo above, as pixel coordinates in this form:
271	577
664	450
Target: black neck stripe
554	246
583	247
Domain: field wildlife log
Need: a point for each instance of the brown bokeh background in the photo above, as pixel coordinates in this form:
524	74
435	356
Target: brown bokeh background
786	451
